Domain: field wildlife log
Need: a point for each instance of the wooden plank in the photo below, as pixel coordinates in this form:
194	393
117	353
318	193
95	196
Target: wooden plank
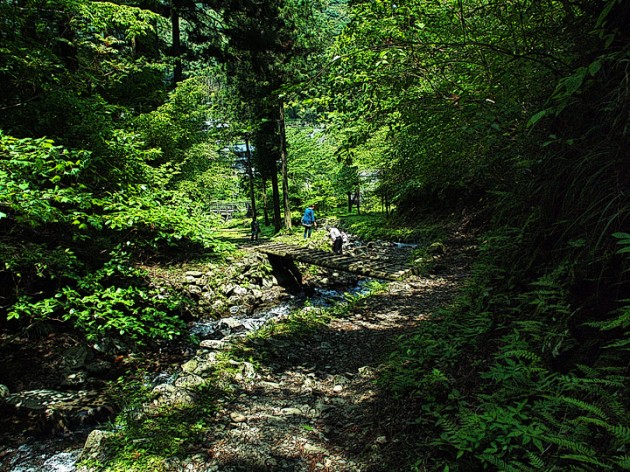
368	267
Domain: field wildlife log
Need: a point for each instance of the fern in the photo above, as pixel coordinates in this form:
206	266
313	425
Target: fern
621	432
522	354
500	464
571	445
585	459
623	462
535	460
621	319
582	405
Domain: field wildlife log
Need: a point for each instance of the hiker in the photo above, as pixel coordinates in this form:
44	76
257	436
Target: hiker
255	229
337	240
309	221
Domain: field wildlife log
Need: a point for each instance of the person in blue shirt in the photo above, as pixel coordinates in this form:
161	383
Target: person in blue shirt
309	221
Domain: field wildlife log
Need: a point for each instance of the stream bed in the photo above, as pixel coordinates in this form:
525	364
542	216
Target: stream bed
61	454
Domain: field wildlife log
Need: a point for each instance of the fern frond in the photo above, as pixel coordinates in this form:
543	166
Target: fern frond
594	421
623	462
535	460
571	445
620	432
621	319
623	344
499	463
609	381
586	460
581	404
522	354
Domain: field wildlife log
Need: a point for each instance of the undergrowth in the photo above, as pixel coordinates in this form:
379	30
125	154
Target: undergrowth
503	382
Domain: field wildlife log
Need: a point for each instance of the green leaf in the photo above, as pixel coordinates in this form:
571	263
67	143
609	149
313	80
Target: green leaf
536	118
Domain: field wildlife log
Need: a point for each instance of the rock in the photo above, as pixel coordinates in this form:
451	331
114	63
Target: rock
314	449
99	367
271	385
55	411
190	366
233	310
194	290
74	378
238	290
227	289
189	381
230	325
38	399
94	448
201	364
437	249
218	306
247	370
291	412
366	371
170	395
194	273
216	344
75	357
237	417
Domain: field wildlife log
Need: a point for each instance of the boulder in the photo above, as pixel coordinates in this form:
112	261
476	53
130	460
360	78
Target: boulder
94	449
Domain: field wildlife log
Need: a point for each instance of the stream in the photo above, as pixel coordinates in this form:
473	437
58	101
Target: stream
60	455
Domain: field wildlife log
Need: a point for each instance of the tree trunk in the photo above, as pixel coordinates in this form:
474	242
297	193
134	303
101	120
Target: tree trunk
265	209
250	172
177	44
284	167
349	202
277	224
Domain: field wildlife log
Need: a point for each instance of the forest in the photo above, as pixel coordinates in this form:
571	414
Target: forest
123	125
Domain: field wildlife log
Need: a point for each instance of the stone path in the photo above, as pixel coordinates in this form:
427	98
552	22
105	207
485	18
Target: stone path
313	405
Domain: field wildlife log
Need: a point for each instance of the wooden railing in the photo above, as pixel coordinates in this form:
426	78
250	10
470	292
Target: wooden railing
227	209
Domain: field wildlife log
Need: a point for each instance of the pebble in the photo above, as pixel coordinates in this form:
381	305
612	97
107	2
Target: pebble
237	417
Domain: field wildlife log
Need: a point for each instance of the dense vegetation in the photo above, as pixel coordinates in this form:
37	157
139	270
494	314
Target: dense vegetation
115	134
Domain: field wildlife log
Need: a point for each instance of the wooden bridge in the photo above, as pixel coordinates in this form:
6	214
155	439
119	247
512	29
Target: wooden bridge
356	265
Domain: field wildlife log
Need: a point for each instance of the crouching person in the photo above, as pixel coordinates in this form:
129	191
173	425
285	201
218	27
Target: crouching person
337	240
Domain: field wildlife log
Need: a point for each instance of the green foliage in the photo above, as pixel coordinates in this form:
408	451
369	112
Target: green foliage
431	78
162	219
40	182
502	375
312	168
110	302
375	226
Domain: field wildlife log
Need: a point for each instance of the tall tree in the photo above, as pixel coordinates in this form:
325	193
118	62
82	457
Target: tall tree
265	38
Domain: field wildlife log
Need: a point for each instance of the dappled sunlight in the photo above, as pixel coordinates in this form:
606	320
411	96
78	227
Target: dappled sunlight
313	401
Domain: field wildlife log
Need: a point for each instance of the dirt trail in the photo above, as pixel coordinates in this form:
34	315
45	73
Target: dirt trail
313	404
